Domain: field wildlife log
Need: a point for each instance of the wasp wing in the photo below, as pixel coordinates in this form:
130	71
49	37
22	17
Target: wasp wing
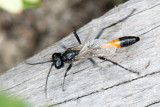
78	47
96	48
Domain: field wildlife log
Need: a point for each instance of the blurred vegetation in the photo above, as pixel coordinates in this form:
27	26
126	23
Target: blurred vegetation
6	101
25	30
16	6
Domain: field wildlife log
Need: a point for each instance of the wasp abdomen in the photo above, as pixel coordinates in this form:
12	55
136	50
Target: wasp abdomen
128	40
121	42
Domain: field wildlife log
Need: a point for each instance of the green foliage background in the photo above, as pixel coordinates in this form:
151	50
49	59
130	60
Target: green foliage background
17	6
6	101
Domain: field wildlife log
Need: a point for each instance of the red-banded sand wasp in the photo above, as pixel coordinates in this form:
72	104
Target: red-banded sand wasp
97	48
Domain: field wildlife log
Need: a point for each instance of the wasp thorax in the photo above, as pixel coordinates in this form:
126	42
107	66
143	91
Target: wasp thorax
69	55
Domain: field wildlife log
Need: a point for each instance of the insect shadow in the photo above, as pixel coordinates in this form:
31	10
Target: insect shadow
78	52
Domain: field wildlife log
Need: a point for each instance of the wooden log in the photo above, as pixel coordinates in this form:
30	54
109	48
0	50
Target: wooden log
105	84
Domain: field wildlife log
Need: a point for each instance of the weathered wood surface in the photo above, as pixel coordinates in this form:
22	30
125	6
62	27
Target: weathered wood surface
105	84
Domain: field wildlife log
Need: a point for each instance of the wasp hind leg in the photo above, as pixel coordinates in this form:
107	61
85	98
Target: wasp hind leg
92	61
113	24
115	63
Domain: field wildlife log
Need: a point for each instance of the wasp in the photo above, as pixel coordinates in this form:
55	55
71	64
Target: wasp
97	48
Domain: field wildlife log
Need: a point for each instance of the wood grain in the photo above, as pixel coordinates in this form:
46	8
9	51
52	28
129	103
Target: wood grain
105	84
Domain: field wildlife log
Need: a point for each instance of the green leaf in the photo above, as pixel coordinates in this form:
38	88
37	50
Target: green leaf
6	101
31	3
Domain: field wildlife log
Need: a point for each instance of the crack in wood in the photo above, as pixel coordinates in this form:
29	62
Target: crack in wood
156	102
139	91
103	89
79	70
147	9
16	85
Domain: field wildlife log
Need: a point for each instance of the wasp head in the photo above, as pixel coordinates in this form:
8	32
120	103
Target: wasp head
57	60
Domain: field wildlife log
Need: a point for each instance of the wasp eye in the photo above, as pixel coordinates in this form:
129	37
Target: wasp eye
56	56
59	64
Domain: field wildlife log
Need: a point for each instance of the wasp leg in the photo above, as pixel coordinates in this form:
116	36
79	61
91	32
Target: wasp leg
76	35
115	63
92	61
69	67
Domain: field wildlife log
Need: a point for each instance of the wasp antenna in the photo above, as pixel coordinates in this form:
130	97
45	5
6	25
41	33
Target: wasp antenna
38	62
69	67
47	79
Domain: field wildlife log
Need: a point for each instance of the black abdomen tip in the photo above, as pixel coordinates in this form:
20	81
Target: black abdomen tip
137	39
128	40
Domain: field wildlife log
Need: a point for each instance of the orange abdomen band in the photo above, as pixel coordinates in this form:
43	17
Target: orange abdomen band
121	42
112	44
